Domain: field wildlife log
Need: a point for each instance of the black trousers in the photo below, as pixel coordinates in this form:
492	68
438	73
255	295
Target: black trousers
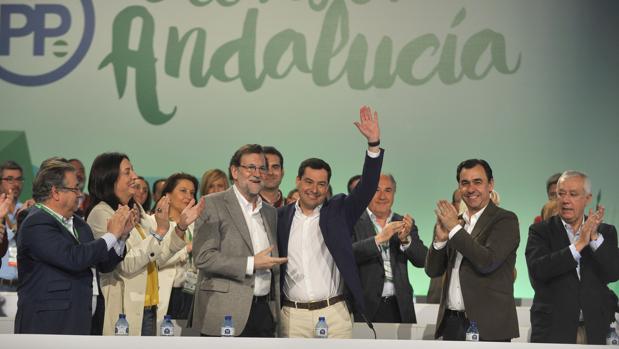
388	311
260	322
454	326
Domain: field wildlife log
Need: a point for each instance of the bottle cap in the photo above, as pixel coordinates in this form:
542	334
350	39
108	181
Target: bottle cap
321	318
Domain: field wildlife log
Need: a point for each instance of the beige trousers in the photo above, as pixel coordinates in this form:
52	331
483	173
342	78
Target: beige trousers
581	335
300	323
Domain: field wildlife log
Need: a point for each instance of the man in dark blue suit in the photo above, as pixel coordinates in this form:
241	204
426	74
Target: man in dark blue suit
316	236
58	256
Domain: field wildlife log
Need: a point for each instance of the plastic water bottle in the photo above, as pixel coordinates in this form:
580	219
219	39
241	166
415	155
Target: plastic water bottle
612	338
472	333
167	327
122	326
227	329
321	330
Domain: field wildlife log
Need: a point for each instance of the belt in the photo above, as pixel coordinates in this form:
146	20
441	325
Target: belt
7	282
455	313
388	299
313	305
261	299
150	307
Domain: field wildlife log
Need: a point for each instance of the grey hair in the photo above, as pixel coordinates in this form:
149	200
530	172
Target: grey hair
391	179
51	174
570	173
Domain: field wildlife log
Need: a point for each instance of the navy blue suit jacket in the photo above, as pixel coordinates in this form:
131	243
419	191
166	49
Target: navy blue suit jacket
55	277
338	216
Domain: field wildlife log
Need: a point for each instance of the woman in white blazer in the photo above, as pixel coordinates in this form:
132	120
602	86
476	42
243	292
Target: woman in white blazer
132	288
177	276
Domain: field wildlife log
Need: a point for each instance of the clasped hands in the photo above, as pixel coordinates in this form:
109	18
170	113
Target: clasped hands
401	228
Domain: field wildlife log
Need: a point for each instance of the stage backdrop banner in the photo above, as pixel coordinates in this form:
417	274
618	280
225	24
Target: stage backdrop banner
530	86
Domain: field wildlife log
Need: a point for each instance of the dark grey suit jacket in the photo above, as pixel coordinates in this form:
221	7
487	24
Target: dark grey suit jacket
560	294
222	244
486	272
372	270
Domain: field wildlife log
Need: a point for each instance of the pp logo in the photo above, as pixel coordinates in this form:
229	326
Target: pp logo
43	42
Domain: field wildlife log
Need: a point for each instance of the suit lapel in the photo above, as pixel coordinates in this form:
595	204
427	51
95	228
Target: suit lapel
485	218
559	228
238	219
366	225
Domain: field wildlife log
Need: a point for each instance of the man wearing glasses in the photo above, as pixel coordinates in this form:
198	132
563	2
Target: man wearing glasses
11	184
59	257
236	253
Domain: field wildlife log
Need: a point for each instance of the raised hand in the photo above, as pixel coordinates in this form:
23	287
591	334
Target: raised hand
368	124
162	215
191	213
447	215
263	259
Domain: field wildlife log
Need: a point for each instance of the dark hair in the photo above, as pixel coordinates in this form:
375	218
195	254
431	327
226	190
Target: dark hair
244	150
10	165
350	182
470	163
149	199
314	164
155	184
103	175
271	150
51	174
173	180
552	180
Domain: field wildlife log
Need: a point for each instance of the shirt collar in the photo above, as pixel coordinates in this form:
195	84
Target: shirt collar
59	216
474	217
569	228
245	204
315	212
373	216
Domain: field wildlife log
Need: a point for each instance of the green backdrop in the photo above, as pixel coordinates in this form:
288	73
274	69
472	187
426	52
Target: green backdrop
529	86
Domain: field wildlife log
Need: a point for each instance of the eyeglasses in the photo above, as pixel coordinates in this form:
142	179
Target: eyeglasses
75	190
12	180
252	168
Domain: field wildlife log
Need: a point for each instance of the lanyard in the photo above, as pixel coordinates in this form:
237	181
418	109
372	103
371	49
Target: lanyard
76	235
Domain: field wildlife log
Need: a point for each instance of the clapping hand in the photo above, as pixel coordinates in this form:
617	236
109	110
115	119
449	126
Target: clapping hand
388	231
5	203
191	213
162	215
406	229
447	215
117	224
589	228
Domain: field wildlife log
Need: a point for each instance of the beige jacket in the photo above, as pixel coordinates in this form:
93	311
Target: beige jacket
172	274
124	289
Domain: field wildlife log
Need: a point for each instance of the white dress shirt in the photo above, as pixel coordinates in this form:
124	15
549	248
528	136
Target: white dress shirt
311	273
259	241
454	292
